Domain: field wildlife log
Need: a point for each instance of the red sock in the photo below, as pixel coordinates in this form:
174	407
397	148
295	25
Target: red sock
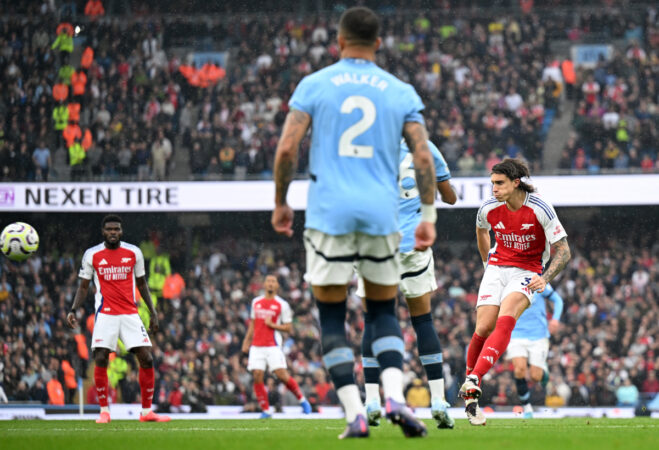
495	345
147	381
294	388
101	382
475	347
262	396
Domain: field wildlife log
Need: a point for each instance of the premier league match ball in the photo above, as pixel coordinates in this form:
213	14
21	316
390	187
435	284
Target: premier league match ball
19	241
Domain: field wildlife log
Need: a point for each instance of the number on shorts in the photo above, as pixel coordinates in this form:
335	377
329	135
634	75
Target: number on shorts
346	147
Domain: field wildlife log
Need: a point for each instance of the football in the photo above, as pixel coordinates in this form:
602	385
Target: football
19	241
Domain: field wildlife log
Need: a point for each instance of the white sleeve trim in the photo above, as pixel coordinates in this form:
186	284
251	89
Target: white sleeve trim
286	312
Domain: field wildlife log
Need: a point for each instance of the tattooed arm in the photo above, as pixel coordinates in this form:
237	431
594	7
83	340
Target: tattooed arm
295	127
416	137
558	262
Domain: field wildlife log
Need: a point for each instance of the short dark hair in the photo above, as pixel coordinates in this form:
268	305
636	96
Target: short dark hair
360	26
514	168
110	218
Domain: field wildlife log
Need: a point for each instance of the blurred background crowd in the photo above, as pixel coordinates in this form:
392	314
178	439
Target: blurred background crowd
605	353
155	91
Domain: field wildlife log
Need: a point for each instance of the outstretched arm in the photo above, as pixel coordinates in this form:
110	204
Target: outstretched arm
295	127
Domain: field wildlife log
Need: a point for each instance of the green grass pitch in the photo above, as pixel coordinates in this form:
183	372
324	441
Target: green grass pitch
508	434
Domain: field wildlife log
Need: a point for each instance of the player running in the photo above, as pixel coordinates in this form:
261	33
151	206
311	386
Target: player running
529	344
417	284
270	315
524	226
116	268
357	113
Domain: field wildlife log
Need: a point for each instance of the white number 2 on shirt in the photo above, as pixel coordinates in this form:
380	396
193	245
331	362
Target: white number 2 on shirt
346	147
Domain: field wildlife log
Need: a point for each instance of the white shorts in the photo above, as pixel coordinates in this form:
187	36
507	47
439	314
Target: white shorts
262	357
331	260
127	327
499	281
417	274
535	351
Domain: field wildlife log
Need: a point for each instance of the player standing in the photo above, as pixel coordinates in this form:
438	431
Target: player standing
270	314
417	284
524	226
359	114
529	343
116	268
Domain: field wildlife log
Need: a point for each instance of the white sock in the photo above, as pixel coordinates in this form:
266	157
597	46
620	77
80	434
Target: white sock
146	411
105	409
351	401
302	400
437	389
392	384
372	393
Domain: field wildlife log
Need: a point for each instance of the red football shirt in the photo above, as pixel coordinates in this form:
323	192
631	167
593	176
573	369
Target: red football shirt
113	272
279	312
523	237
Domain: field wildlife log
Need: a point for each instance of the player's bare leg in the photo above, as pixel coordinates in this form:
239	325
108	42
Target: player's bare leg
147	382
294	387
338	356
101	359
388	347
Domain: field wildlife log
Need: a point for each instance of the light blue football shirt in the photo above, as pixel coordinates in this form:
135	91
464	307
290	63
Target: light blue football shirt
410	202
532	324
357	115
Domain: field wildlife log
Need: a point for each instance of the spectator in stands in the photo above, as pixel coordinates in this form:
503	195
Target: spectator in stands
627	394
94	9
650	384
161	151
480	91
42	161
608	286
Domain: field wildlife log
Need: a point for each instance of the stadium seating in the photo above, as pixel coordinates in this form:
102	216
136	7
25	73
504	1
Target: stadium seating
492	88
608	335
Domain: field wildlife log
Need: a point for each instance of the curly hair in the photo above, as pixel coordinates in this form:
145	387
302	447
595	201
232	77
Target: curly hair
515	168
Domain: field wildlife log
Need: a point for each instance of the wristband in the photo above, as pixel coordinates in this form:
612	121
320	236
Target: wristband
428	213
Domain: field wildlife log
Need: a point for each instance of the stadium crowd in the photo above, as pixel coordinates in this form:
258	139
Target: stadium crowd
605	353
492	88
